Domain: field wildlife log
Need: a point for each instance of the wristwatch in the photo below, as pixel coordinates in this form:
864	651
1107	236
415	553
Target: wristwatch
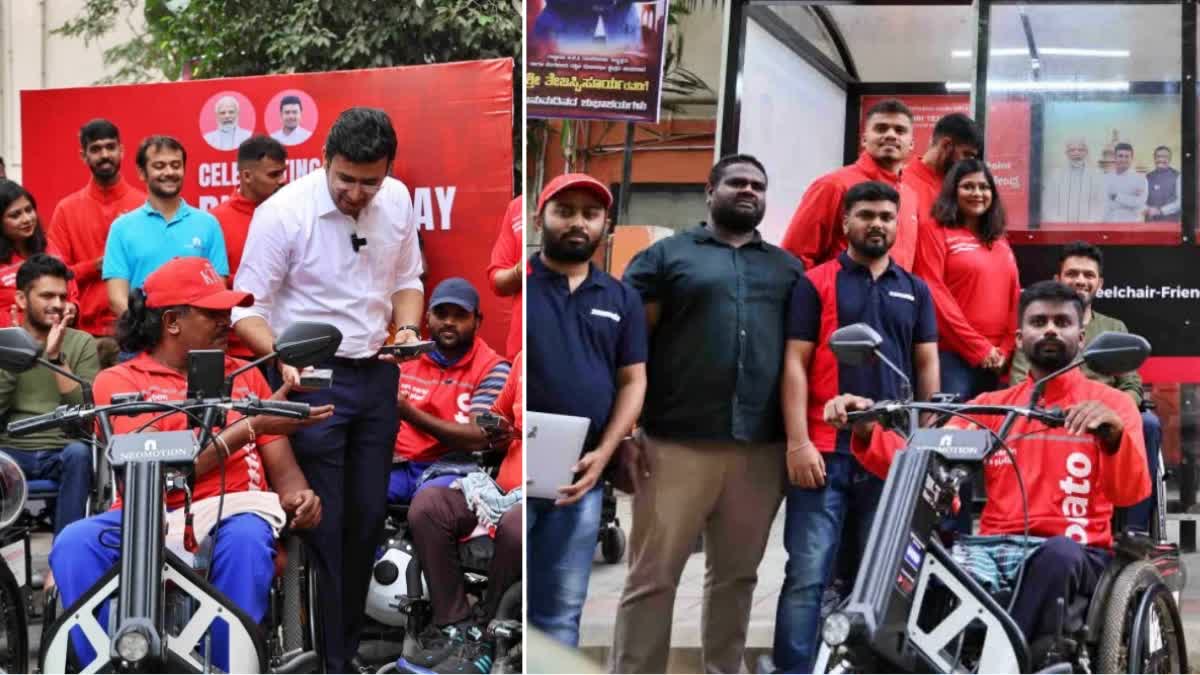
415	329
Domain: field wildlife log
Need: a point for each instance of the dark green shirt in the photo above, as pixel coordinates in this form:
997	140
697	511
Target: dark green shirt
716	355
35	392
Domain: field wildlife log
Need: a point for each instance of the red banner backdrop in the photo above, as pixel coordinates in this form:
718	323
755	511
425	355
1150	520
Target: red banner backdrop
453	122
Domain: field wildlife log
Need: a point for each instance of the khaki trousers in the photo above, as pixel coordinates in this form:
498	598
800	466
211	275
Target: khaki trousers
728	491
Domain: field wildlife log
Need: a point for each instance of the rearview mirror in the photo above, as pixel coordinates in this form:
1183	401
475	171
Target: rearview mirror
855	345
1115	353
18	350
307	343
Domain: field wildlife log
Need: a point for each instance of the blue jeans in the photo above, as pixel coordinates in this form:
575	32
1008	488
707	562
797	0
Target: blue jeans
403	481
243	565
560	543
70	467
811	534
960	377
1138	515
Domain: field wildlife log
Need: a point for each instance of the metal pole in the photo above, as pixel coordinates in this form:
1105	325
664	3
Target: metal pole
626	171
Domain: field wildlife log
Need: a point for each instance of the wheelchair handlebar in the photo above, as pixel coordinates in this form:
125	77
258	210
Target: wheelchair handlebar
67	414
1053	417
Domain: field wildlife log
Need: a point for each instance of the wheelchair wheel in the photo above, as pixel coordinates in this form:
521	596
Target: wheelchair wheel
612	544
1142	629
14	624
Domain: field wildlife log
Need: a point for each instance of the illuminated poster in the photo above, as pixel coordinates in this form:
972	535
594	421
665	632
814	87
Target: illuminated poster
595	59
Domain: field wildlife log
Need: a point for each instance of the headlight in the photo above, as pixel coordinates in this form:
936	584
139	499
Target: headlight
133	646
836	630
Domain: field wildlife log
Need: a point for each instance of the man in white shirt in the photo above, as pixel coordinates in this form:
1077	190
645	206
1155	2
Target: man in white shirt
339	246
291	109
1075	193
228	135
1125	189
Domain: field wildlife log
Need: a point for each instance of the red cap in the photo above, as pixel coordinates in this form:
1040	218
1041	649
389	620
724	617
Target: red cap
575	181
192	282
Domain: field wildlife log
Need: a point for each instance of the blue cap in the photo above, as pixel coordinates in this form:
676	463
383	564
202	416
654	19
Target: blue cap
457	291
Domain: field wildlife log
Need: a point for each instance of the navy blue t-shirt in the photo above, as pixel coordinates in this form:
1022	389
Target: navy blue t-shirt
898	305
576	342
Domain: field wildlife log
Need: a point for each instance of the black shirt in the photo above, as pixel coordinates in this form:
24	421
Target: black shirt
716	356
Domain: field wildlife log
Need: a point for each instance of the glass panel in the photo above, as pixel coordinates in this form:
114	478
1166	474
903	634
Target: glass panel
1084	121
908	44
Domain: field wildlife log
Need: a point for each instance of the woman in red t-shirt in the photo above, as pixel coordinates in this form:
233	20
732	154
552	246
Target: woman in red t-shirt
21	235
964	256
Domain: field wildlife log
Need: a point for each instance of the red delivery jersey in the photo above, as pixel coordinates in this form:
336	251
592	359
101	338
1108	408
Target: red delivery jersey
511	405
1072	484
234	215
815	232
925	184
79	228
975	290
444	393
244	471
506	252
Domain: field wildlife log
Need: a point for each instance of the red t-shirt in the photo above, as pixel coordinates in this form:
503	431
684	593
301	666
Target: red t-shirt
244	471
234	215
1072	484
79	228
8	287
975	290
815	233
506	252
511	405
444	393
925	184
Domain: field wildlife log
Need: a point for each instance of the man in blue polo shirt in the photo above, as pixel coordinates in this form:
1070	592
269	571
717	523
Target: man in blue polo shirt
861	285
165	227
586	345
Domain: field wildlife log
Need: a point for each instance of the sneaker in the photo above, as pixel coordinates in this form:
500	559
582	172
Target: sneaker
431	647
473	656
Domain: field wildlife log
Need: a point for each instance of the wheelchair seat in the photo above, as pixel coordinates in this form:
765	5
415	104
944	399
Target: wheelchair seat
43	489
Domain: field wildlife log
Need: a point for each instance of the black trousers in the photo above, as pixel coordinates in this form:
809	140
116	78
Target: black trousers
1059	568
347	460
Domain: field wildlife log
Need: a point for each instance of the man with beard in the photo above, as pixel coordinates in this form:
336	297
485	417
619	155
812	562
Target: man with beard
81	222
443	389
586	337
1081	266
50	455
165	227
955	137
261	171
815	233
1073	477
1162	203
1074	193
228	135
715	299
863	285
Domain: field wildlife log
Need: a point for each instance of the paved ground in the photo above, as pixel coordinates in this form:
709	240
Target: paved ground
607	581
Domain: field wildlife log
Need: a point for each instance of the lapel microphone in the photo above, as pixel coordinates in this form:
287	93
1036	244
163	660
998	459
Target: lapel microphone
357	242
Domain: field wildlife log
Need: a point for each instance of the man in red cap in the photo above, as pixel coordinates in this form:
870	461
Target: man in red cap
587	358
184	305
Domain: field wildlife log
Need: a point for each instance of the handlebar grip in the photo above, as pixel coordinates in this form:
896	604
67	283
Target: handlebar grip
290	409
31	425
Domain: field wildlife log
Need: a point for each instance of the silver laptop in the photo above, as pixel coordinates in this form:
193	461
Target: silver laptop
553	443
